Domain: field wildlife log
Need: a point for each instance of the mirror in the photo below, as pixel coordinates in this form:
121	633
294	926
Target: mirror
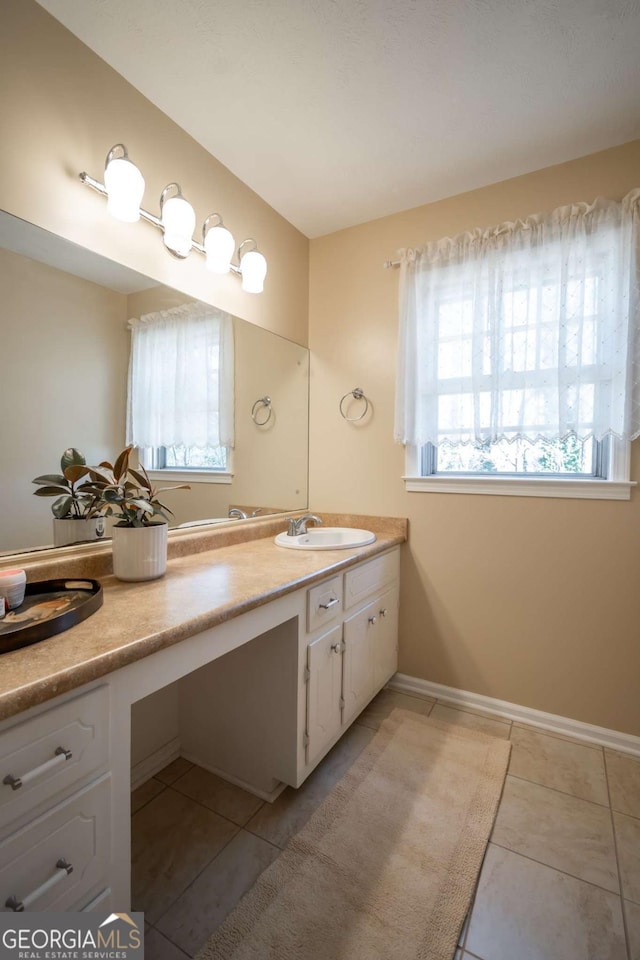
64	355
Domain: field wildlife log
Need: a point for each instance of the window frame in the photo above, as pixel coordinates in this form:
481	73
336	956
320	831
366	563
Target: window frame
616	486
149	457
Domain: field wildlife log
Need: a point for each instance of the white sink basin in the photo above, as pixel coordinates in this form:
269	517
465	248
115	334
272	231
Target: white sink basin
326	538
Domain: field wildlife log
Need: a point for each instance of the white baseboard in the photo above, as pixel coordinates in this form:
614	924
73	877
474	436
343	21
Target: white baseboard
614	739
269	795
145	769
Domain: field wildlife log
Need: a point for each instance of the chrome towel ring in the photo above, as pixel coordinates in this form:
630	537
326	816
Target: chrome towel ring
264	403
358	394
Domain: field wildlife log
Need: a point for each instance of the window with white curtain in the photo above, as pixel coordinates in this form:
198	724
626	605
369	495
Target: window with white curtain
519	355
180	407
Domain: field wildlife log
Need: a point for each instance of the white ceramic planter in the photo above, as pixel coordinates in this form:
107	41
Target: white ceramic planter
139	553
77	531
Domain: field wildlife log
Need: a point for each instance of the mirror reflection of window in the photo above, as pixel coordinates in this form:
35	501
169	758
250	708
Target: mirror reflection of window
180	405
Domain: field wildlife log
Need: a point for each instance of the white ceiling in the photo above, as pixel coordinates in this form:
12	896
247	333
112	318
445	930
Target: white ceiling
340	111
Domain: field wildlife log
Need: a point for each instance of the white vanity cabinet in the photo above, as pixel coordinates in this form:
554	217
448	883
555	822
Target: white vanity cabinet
55	805
264	715
261	696
347	665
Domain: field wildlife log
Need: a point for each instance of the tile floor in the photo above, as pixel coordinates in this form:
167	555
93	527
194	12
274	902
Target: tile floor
560	881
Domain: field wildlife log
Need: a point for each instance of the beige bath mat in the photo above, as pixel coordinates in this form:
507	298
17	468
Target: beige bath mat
386	867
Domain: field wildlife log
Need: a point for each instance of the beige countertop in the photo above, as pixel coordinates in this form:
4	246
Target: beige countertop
200	590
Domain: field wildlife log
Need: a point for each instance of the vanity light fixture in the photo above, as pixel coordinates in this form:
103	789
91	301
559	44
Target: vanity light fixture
253	267
218	244
178	220
124	186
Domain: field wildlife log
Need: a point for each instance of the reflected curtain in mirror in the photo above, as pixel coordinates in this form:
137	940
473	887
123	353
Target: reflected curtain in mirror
181	381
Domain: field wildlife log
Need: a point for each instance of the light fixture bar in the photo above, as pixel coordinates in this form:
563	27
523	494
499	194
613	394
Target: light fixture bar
145	215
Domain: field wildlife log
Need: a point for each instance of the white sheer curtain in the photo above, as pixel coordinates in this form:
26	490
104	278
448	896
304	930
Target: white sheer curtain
527	330
181	375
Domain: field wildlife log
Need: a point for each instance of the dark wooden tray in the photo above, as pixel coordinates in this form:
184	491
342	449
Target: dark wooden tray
50	606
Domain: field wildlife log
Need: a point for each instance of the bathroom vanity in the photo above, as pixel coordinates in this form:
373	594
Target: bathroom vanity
273	653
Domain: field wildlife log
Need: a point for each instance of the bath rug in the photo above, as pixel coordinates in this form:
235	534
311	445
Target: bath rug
386	867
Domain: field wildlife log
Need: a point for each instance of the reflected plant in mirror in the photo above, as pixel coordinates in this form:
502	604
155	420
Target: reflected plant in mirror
57	294
76	506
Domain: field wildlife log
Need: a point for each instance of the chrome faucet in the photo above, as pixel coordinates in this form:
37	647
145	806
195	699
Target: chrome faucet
299	525
237	514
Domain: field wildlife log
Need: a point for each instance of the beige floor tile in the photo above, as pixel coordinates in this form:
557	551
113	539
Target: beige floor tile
628	843
623	773
157	947
218	795
527	911
476	721
632	916
277	822
560	831
172	839
205	904
574	768
145	792
170	773
386	701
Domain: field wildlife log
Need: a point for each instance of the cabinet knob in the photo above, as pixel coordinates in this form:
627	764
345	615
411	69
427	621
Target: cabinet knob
337	647
372	619
383	613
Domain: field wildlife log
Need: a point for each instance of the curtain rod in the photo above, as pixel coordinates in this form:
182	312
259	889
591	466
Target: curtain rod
390	263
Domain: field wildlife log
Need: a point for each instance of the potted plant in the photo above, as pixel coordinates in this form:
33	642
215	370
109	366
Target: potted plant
139	537
76	510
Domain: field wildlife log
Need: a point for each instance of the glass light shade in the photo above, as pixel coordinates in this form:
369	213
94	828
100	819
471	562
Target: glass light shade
254	269
125	185
178	223
219	246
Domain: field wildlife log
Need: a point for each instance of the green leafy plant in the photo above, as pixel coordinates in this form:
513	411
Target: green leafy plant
76	498
126	493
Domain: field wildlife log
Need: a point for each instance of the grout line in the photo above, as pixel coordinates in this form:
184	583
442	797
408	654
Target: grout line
172	942
564	793
549	866
615	847
199	803
147	802
193	880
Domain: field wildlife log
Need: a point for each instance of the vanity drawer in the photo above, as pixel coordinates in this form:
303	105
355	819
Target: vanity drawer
75	833
370	577
324	603
52	752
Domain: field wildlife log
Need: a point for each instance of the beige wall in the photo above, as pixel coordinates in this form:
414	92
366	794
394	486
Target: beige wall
534	601
62	108
64	351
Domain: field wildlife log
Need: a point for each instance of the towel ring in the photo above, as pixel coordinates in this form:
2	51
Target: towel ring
358	394
257	407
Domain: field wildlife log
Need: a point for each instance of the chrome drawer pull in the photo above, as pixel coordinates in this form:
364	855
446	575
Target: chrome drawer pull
337	647
61	755
329	604
63	869
372	619
383	613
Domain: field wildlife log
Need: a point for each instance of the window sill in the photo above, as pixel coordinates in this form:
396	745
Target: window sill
520	487
175	475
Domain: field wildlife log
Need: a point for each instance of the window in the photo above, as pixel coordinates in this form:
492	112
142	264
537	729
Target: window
180	401
518	356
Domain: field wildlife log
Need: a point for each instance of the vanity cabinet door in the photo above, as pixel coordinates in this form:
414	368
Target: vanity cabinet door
358	686
324	663
385	638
